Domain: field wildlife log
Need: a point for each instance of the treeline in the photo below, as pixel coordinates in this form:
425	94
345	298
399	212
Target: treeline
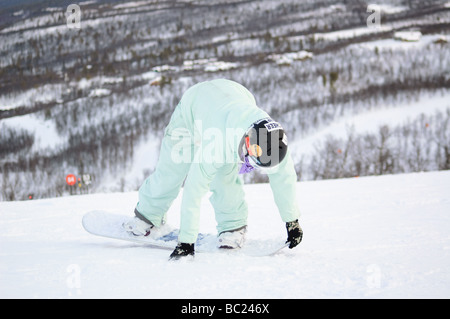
14	141
126	42
310	94
417	146
99	137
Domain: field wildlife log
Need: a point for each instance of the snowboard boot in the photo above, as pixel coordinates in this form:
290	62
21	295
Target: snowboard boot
138	226
232	239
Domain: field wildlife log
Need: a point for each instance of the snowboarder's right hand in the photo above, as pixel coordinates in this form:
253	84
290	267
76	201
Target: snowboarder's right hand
295	233
182	250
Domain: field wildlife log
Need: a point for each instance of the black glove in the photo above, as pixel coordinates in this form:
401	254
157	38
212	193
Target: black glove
182	250
295	233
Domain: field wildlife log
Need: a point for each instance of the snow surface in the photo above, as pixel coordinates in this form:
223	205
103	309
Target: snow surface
289	58
350	33
393	44
412	36
371	237
44	132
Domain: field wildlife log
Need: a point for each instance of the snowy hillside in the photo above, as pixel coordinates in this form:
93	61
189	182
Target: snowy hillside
371	237
94	101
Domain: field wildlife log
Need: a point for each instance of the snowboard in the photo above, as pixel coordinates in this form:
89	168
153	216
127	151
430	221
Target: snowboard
108	225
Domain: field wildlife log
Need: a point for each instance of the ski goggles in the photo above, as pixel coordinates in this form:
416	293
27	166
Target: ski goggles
249	155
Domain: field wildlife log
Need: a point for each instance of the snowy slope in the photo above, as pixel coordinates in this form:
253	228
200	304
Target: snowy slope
373	237
370	121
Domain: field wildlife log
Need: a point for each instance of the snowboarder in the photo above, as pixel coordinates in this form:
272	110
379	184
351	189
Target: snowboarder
216	133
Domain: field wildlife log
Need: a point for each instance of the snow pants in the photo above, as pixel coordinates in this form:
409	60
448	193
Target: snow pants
160	189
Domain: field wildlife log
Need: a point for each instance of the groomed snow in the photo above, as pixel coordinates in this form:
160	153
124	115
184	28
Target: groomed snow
372	237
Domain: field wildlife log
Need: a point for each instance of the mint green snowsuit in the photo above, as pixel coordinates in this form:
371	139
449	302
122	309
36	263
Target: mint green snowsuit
200	148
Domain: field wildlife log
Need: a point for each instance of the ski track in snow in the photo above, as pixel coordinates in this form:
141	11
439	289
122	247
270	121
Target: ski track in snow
371	237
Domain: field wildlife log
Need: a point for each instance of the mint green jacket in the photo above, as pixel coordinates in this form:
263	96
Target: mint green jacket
200	148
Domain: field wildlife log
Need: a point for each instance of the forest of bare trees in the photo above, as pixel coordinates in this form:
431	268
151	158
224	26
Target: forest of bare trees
418	146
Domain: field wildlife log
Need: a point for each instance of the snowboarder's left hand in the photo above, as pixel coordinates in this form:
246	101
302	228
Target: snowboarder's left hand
295	233
182	250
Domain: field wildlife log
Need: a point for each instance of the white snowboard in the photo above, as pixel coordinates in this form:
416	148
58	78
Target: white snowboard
109	225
